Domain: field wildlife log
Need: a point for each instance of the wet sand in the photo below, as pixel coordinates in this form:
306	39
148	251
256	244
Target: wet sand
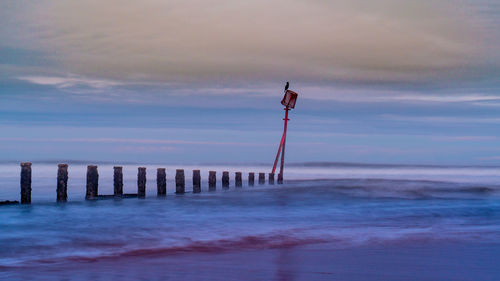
406	260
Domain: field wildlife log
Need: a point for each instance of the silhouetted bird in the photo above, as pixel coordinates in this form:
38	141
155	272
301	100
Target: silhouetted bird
287	85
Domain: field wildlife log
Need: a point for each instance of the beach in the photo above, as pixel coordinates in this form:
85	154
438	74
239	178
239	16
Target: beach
412	260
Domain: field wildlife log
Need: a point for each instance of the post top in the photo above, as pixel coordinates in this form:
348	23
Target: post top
161	169
179	170
289	99
25	164
62	165
142	168
117	167
92	166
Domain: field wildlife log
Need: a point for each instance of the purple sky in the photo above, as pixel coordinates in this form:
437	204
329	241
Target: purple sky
385	81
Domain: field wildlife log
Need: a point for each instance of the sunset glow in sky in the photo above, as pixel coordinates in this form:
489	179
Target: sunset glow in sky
383	81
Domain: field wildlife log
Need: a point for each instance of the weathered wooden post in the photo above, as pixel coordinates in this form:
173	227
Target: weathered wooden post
180	184
271	178
225	180
262	178
251	179
26	183
196	181
62	182
212	181
141	182
161	182
237	180
280	178
92	182
118	181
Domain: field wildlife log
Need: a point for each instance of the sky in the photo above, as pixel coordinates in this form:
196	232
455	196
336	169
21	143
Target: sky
191	81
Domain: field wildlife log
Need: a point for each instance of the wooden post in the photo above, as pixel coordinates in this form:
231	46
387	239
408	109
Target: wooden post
196	181
262	178
251	179
212	180
92	182
271	178
118	180
280	178
238	180
62	183
26	183
180	184
141	182
161	182
225	180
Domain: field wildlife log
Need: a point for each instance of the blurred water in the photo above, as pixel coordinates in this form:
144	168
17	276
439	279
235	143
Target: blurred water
341	205
44	177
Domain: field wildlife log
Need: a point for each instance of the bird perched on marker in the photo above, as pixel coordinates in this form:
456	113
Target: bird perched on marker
287	85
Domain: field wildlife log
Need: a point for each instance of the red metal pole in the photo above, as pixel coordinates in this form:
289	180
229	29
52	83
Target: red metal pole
278	154
284	142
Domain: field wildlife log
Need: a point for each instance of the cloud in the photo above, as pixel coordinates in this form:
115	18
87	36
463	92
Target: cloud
131	141
137	95
489	158
465	138
222	40
144	149
398	95
70	82
442	119
447	98
488	104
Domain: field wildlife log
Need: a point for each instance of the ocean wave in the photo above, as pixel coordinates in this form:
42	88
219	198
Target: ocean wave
335	238
397	188
122	250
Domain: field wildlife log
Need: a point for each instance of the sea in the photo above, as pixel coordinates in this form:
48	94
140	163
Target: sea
336	206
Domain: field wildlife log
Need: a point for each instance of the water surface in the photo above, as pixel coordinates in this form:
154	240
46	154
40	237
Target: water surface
339	207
